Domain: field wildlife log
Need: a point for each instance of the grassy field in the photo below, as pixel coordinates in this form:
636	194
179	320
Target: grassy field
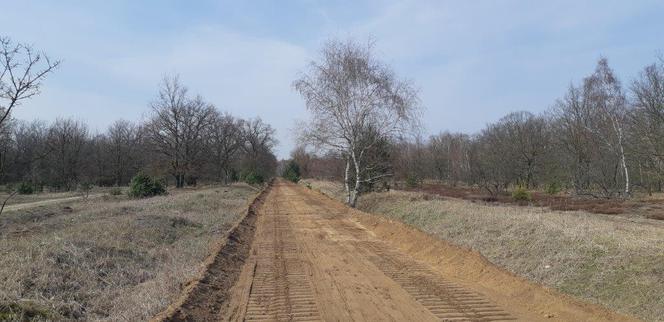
617	261
110	257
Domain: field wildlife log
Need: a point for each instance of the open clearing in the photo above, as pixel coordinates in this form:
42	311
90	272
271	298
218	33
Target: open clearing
108	258
312	259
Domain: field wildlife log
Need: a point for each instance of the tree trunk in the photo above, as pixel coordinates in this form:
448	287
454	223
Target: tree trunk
624	166
179	180
346	179
356	189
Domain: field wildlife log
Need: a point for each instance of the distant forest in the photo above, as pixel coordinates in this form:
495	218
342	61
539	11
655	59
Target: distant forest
602	138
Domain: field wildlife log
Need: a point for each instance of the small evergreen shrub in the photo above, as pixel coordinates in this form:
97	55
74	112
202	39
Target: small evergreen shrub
412	181
521	194
292	172
252	177
553	188
85	188
143	185
25	188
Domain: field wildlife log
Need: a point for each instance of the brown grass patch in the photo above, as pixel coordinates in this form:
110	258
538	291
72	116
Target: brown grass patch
109	258
554	202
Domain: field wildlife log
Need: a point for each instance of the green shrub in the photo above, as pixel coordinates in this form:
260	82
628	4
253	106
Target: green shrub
25	188
252	177
553	188
412	181
85	188
521	194
292	172
143	185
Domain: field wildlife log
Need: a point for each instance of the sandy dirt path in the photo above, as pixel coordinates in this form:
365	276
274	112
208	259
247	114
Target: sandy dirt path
298	255
311	261
33	204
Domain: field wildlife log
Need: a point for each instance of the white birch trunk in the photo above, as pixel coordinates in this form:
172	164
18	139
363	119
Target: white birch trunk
346	179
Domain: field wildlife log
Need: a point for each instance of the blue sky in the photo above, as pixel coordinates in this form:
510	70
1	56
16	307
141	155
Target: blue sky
472	61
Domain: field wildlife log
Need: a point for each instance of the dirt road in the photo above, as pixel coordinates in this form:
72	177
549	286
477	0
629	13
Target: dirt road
313	259
20	206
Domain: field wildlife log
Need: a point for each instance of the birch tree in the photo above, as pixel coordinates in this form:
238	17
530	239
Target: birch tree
349	93
604	93
591	122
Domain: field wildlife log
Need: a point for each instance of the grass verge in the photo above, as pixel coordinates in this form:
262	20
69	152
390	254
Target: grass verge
614	261
109	258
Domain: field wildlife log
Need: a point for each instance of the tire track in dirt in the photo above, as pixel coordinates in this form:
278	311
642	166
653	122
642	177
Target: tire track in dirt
281	289
446	300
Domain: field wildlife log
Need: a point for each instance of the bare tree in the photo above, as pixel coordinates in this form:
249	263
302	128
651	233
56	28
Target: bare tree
591	121
349	93
259	141
448	155
225	141
604	92
123	145
67	139
647	120
177	127
524	140
22	70
29	162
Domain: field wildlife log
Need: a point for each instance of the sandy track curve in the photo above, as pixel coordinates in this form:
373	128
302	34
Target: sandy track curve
301	256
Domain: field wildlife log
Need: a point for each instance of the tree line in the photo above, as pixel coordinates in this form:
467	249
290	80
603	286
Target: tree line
601	138
185	138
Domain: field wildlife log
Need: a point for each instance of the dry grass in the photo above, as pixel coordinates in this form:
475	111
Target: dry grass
109	258
616	261
20	199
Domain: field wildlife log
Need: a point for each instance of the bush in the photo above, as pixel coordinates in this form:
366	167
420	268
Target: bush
412	181
252	177
143	185
115	191
85	188
521	194
25	188
553	188
292	172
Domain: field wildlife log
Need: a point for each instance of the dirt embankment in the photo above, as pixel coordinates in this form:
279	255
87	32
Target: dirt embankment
203	297
472	270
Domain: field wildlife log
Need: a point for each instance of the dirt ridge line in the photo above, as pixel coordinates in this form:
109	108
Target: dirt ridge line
203	296
494	281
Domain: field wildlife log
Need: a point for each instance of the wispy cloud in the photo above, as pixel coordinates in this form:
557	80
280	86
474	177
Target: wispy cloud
473	61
